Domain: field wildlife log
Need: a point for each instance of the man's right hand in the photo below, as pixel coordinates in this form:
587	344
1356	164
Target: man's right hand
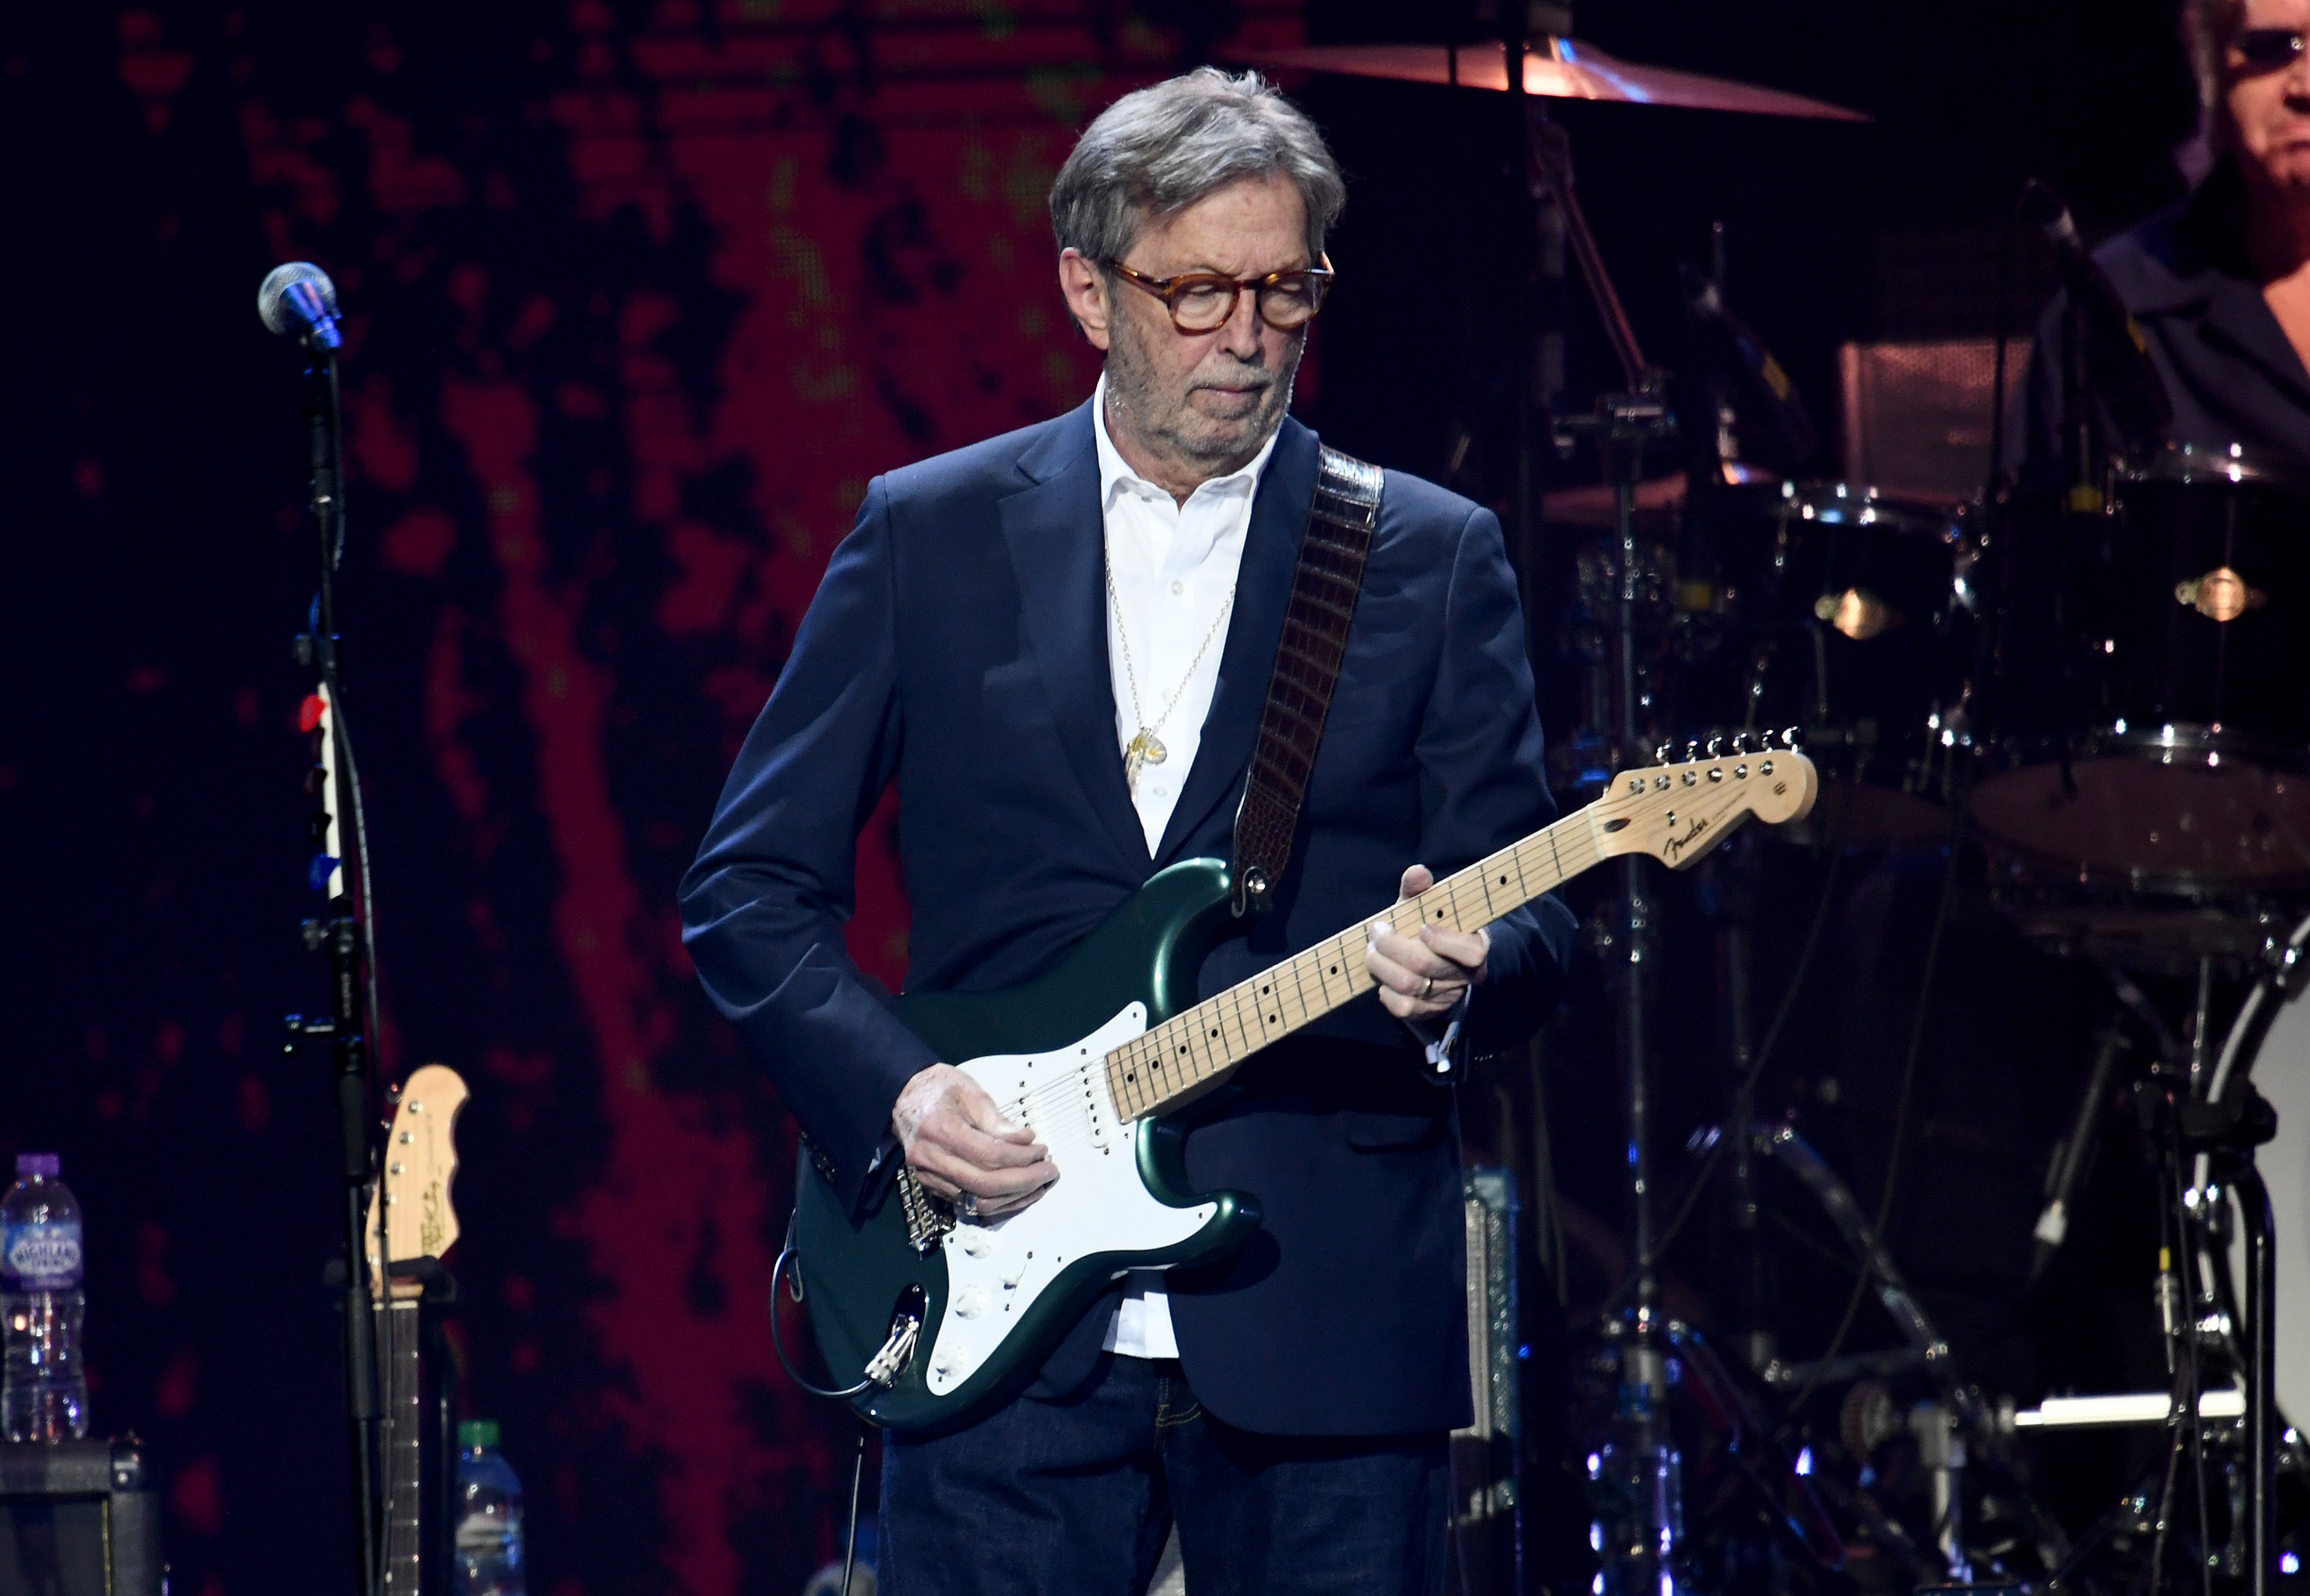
957	1141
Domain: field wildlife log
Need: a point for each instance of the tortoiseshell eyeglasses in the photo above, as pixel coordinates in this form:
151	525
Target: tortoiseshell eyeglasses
1202	301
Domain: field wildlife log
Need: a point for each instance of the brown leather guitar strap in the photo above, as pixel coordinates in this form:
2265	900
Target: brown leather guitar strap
1341	520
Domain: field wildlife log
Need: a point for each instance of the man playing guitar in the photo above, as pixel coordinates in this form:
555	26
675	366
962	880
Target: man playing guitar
1058	643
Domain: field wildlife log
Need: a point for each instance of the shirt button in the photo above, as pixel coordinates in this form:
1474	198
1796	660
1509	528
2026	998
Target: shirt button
1178	589
1160	792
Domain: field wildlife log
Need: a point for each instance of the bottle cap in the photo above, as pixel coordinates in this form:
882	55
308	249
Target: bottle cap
476	1433
46	1166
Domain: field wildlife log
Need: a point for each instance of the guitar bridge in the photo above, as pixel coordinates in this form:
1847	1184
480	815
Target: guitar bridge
927	1219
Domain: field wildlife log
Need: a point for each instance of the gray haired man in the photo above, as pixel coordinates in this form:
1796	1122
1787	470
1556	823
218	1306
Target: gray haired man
1057	643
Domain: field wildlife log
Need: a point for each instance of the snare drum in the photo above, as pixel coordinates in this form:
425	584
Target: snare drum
2163	742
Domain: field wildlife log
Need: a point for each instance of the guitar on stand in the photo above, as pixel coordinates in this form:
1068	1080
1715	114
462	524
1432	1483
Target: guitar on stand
411	1224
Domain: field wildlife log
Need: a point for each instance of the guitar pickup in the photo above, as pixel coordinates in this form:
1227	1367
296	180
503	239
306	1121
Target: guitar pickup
1091	1116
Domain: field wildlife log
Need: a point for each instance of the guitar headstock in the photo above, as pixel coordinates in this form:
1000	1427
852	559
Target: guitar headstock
1676	811
420	1161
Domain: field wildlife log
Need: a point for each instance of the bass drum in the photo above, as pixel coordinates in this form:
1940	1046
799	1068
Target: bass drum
2281	1073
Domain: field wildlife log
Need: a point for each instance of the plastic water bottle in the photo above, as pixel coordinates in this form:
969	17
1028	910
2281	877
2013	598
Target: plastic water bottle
489	1514
44	1396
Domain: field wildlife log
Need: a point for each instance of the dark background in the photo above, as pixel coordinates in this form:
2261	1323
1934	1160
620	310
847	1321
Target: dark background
638	297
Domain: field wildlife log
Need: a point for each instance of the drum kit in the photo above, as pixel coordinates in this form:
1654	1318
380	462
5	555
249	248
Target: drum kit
2093	700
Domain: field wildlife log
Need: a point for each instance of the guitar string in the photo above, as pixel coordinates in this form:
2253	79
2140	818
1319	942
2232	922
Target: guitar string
1467	897
1466	893
1458	891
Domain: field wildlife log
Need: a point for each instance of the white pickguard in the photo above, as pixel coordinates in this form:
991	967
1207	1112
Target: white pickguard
1098	1205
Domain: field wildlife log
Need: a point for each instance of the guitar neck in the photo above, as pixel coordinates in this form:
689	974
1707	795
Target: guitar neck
403	1430
1188	1054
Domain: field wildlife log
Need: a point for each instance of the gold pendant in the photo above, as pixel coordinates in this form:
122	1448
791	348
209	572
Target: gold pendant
1145	749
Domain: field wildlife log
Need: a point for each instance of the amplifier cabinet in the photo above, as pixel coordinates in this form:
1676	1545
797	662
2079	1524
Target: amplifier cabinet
79	1518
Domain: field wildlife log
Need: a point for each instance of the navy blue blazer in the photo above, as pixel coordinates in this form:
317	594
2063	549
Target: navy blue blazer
958	645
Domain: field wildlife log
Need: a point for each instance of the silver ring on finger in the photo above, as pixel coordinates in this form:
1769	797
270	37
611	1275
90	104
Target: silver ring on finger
1425	991
967	1205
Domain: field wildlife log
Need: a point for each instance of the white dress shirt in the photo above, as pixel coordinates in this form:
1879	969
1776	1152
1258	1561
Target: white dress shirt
1175	568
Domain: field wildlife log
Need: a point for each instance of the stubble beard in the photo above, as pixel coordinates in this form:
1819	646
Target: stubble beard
1167	422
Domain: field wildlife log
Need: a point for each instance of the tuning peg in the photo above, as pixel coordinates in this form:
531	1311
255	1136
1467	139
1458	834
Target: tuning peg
1792	738
1660	754
1692	750
1741	740
1716	745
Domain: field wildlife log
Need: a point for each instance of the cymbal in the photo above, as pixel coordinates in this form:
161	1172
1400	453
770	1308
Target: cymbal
1553	67
1595	505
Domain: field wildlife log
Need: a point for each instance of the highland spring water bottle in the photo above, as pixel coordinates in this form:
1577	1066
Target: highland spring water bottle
44	1396
489	1514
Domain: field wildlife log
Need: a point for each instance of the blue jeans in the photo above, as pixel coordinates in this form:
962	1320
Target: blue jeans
1076	1499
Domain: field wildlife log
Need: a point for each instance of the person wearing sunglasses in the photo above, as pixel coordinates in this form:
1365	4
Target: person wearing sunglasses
2220	285
1057	645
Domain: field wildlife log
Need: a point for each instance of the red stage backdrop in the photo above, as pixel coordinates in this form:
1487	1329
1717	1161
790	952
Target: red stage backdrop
637	298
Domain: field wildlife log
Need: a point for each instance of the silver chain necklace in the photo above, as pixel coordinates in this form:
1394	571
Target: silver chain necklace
1146	748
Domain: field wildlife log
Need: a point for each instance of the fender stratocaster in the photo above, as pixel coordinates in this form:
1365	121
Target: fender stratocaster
937	1318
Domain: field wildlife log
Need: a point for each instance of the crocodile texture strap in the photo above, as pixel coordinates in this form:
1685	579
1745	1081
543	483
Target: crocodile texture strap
1341	519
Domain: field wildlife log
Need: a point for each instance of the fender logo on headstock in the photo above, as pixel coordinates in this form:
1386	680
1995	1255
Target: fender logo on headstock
1677	845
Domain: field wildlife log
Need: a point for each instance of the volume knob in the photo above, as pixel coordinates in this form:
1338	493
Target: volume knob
971	1302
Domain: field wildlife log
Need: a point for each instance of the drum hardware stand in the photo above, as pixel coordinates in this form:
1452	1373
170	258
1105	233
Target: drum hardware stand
2223	1134
1967	1419
1623	426
1728	885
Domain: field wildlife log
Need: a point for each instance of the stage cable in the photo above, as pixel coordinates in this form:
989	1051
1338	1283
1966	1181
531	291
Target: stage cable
326	655
1900	1115
2192	1415
777	1340
858	1474
1744	1096
2172	1239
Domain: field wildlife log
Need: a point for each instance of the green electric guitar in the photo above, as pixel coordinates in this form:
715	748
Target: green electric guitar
936	1318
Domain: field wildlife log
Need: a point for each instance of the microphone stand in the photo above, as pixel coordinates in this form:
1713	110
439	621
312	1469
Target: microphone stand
342	935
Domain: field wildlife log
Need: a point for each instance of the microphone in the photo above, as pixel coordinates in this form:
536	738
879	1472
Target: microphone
2116	356
2073	1154
298	300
